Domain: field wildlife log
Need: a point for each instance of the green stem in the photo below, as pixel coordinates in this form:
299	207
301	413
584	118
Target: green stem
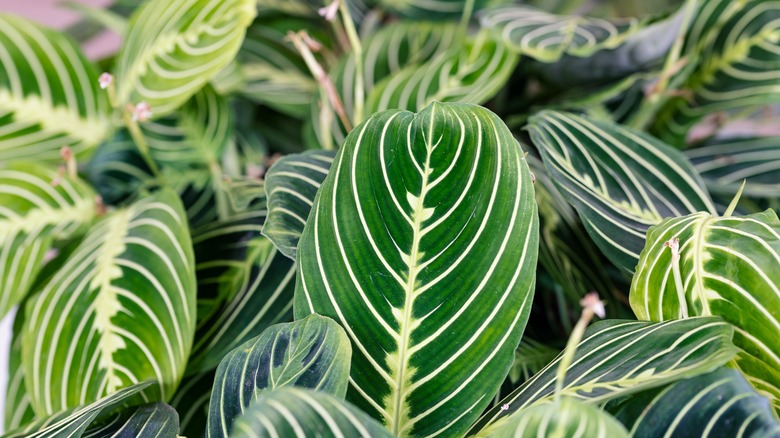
141	144
571	348
357	50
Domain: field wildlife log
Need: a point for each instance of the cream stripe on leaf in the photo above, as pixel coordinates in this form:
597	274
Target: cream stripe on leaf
299	412
313	353
120	310
73	422
719	403
617	358
290	185
729	267
38	207
18	411
49	95
154	420
173	47
191	402
422	244
245	285
567	417
736	44
433	9
621	181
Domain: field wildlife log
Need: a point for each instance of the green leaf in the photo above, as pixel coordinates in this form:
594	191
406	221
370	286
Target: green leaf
38	206
312	353
430	225
244	286
191	401
291	411
117	170
49	95
736	44
725	163
729	267
567	417
435	10
148	421
616	358
18	410
173	47
530	357
720	403
291	185
121	310
621	181
75	421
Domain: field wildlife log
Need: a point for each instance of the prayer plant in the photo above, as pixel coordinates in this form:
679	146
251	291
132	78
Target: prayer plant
391	218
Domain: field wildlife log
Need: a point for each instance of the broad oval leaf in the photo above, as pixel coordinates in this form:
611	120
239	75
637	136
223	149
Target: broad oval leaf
426	223
291	411
567	417
120	310
621	181
74	422
720	403
49	95
729	267
154	420
173	47
616	358
244	286
311	353
291	185
38	206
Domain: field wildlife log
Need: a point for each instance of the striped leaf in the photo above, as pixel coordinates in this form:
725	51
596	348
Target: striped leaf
154	420
194	136
725	163
38	207
616	358
74	422
471	72
291	184
291	411
425	223
173	47
18	411
311	353
49	95
720	403
244	286
729	267
567	417
191	401
621	181
435	9
117	170
121	310
737	45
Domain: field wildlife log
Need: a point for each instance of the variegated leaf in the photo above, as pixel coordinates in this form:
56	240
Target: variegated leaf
18	410
616	358
120	310
38	206
49	94
426	222
173	47
291	185
154	420
191	402
310	353
729	267
621	181
435	9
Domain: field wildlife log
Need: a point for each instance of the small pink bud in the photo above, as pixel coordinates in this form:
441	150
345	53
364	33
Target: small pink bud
505	407
142	112
592	302
105	80
674	245
329	12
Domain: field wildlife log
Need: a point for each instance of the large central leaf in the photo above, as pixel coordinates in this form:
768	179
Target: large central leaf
422	242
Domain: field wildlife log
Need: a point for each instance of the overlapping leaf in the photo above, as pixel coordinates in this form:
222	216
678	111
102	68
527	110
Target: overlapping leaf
720	403
728	266
294	411
191	402
154	420
737	45
173	47
311	353
617	358
49	94
430	224
38	206
620	181
74	422
291	185
120	310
